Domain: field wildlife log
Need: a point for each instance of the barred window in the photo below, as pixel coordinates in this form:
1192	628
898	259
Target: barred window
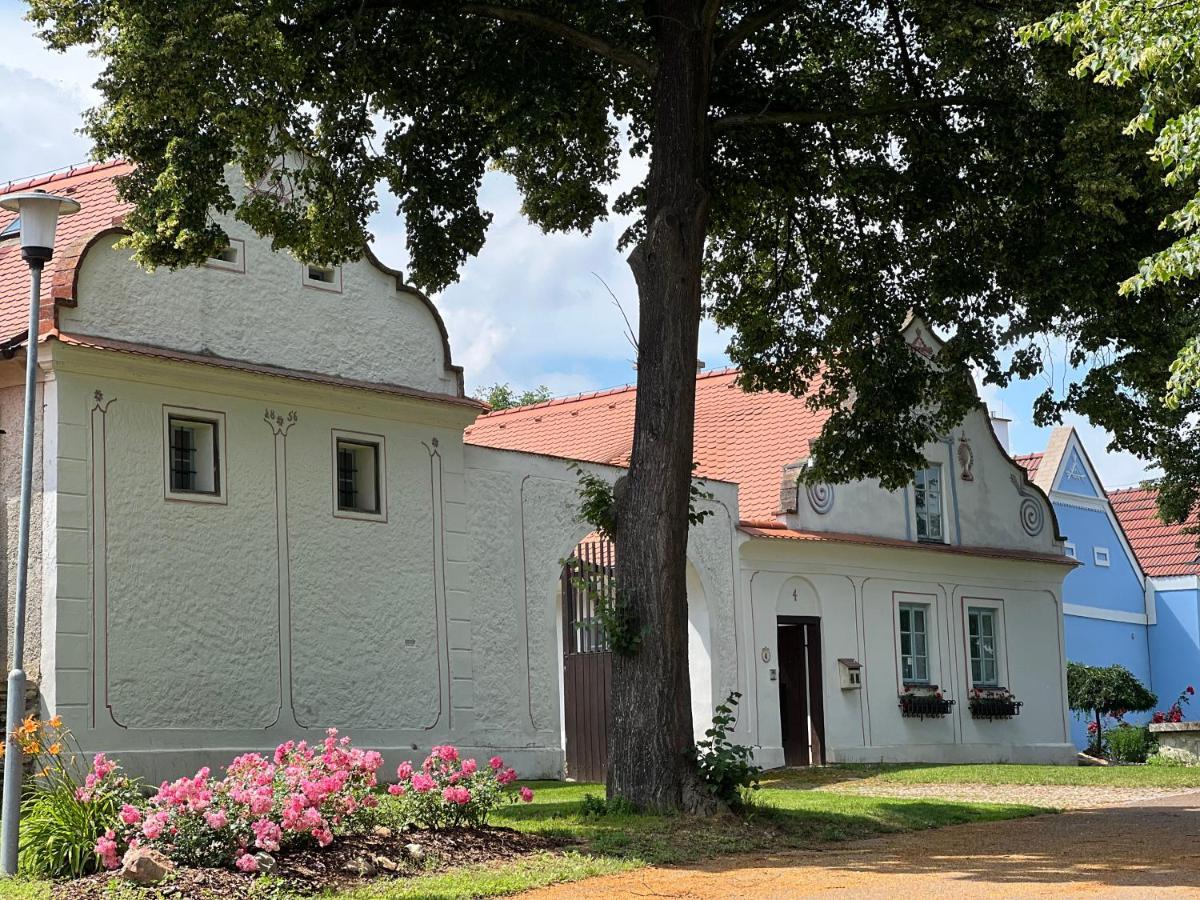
193	456
358	476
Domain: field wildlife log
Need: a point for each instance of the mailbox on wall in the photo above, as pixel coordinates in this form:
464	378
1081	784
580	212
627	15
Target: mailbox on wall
850	672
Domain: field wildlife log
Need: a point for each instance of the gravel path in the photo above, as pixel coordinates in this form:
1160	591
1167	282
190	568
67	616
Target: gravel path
1051	795
1144	850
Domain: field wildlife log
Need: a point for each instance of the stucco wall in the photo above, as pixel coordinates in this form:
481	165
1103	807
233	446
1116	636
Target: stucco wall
1097	642
854	590
987	502
12	407
1117	586
369	330
187	632
1175	643
522	522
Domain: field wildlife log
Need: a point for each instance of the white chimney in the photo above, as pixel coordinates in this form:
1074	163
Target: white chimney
1000	427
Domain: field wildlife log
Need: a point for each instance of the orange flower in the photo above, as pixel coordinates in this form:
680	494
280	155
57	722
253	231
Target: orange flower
54	749
29	726
56	722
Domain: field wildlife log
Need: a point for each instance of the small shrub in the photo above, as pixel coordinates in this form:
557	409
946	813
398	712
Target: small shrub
1175	712
1130	743
1097	692
448	791
595	806
65	813
727	768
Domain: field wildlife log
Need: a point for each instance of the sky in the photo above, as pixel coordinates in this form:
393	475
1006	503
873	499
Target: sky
531	309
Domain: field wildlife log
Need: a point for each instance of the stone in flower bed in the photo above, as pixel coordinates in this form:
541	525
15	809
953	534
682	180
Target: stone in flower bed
315	869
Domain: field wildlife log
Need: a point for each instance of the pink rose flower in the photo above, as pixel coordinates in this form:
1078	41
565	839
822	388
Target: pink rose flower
130	815
246	863
496	763
404	771
469	767
526	794
422	783
457	795
216	819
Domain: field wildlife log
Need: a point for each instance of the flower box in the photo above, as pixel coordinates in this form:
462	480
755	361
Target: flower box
993	703
923	702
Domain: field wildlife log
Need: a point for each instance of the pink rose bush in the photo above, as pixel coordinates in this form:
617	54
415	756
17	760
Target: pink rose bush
301	793
448	791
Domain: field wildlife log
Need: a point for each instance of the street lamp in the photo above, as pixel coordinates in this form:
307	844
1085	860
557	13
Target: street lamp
38	212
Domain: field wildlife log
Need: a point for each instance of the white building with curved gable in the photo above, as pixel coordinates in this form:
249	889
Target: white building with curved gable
266	507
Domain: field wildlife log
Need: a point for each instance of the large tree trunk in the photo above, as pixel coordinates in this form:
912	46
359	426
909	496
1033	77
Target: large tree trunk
651	730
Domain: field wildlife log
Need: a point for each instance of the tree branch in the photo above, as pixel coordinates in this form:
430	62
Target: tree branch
620	55
749	24
822	116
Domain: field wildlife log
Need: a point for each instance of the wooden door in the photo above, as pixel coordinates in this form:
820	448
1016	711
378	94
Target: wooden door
587	661
801	706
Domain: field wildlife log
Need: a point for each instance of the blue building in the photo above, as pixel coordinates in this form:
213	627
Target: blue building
1109	603
1168	556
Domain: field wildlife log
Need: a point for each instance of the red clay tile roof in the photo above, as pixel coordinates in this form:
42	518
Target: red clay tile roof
778	531
1161	549
1029	462
740	437
91	185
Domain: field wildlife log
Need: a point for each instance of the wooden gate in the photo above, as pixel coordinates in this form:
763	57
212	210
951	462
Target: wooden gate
587	580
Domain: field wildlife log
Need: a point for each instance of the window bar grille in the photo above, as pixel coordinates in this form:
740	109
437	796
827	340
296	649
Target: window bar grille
183	459
347	479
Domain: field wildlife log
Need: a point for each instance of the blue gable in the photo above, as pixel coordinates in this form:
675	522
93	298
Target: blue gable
1117	586
1075	477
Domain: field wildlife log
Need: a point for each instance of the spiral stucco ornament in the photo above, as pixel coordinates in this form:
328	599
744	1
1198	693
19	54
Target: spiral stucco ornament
820	498
1033	519
1033	516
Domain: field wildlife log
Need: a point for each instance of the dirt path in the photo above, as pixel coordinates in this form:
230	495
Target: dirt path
1150	849
1056	796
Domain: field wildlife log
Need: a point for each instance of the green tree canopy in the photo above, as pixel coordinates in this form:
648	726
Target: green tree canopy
1155	48
817	170
1106	691
504	396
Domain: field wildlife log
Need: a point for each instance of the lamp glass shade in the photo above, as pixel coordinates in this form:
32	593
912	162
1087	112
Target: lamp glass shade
39	214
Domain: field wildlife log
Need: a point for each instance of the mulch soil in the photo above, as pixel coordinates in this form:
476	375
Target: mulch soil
347	861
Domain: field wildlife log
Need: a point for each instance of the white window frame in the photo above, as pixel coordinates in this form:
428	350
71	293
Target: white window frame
373	440
237	264
307	279
928	602
941	503
1070	550
999	636
1101	556
216	420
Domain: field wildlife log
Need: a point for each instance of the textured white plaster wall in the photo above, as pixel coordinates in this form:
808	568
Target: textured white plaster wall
220	628
985	510
522	521
12	408
853	590
369	331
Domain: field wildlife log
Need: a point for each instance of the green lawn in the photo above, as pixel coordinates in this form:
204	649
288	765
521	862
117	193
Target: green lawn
783	816
920	773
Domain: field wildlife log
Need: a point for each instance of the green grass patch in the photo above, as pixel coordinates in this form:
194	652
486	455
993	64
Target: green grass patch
918	773
23	889
535	871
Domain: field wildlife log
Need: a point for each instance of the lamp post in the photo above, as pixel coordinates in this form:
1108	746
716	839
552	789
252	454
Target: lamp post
39	214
